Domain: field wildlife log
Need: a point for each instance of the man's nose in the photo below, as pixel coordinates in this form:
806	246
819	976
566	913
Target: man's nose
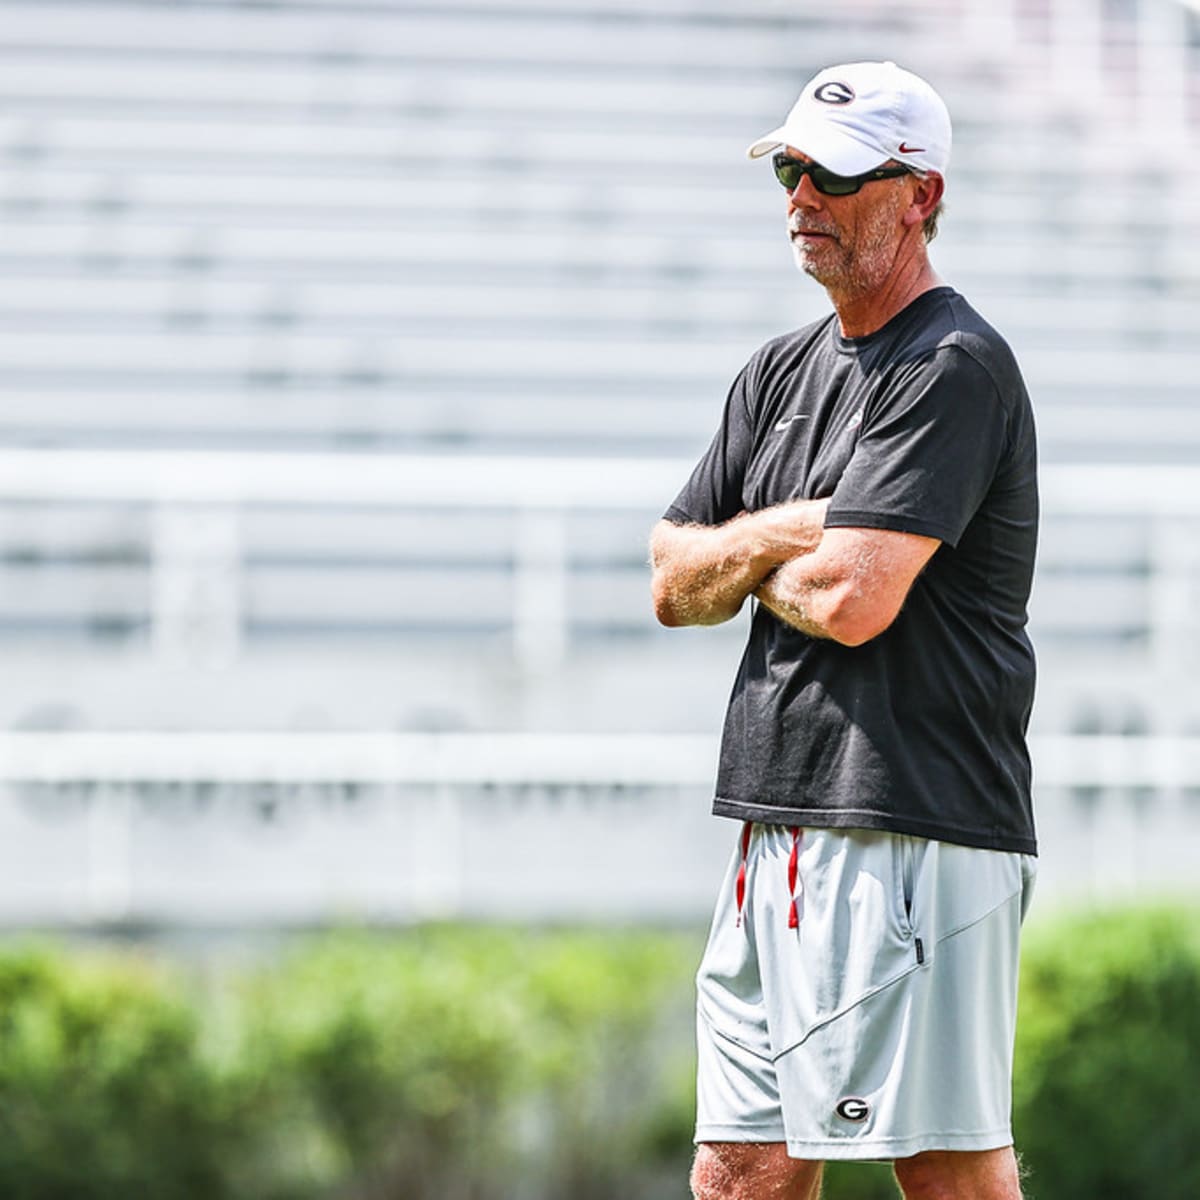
804	194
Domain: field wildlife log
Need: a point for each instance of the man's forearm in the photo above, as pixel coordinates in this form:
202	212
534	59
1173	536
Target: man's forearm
703	574
852	588
797	599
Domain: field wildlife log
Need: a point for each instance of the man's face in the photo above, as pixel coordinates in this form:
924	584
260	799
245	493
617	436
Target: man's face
848	244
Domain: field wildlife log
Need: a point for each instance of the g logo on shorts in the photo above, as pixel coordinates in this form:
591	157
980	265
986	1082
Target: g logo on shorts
853	1108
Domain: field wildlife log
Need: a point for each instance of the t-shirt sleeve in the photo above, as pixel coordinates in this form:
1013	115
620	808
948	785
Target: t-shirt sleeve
713	494
928	452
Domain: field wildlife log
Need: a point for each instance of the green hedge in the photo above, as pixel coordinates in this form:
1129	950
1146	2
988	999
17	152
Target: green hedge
478	1063
102	1092
496	1064
1108	1057
481	1064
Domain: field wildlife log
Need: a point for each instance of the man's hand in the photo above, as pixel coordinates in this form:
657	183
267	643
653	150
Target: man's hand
703	573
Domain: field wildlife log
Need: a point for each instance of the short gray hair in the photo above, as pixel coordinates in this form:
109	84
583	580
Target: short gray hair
930	225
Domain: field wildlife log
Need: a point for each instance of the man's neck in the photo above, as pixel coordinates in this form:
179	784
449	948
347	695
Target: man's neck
865	312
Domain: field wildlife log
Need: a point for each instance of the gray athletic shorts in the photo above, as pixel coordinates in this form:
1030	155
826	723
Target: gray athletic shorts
860	1000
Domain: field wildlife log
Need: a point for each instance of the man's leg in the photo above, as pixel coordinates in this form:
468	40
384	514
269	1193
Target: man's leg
960	1175
752	1171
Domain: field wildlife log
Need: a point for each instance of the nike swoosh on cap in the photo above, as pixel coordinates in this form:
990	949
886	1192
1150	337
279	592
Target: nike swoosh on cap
905	148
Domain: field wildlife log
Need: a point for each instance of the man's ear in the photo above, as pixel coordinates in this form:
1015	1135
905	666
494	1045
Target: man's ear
927	195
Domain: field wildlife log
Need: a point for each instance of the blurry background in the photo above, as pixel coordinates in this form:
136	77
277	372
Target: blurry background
350	350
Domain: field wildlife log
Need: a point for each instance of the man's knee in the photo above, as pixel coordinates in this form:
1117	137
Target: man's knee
954	1175
720	1170
752	1171
709	1177
922	1178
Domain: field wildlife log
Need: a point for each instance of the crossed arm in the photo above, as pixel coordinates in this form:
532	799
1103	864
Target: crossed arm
845	584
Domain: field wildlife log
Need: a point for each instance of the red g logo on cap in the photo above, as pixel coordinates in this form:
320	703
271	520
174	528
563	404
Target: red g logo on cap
834	92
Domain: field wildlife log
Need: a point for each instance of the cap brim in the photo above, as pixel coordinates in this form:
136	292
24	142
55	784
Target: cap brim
766	144
837	149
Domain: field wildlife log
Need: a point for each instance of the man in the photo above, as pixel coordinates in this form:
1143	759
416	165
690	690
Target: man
873	487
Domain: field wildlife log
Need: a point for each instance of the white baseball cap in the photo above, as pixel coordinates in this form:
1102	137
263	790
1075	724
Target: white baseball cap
853	117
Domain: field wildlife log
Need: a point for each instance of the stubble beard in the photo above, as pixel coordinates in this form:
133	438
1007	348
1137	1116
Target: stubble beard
848	270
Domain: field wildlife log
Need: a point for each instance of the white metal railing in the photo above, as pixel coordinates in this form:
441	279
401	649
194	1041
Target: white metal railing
225	478
198	502
522	481
536	759
269	828
444	758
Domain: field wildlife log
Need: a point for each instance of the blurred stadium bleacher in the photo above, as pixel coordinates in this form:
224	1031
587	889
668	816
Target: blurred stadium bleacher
350	351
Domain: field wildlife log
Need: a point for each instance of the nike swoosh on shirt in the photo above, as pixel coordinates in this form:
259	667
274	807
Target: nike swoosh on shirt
780	426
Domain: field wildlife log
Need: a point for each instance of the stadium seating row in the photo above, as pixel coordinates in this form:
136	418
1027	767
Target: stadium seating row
509	228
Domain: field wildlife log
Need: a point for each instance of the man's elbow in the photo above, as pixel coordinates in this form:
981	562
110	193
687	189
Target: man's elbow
665	610
673	616
851	634
675	609
665	613
850	621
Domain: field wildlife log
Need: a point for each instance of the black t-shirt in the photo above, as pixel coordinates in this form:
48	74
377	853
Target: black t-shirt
925	427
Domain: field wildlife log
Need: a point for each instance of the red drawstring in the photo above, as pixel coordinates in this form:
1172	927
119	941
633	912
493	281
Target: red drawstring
794	884
741	875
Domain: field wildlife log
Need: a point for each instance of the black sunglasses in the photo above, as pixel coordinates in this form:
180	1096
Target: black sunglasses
789	171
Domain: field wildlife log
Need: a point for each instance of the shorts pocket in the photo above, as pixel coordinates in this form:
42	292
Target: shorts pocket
905	859
853	939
